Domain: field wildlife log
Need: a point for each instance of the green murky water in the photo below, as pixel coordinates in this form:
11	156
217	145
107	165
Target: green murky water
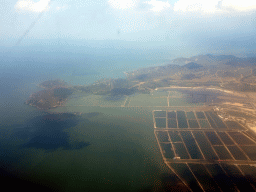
121	152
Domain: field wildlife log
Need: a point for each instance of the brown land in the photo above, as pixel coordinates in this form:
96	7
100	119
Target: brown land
55	94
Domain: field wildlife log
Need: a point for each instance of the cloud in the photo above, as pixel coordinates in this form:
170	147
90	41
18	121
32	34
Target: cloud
195	6
158	6
30	5
238	5
61	8
123	4
214	6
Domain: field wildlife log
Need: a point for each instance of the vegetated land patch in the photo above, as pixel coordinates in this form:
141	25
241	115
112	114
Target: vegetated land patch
55	93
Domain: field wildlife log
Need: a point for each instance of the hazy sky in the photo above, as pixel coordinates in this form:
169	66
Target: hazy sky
199	24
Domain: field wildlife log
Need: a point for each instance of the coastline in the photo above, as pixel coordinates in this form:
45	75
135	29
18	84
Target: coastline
177	87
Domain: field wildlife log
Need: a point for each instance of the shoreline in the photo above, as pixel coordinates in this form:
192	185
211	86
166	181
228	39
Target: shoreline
177	87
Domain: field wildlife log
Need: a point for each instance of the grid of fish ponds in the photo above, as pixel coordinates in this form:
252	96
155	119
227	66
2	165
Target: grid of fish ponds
184	139
206	153
193	120
206	145
216	177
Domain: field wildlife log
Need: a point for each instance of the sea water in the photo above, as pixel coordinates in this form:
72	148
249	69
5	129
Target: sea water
94	150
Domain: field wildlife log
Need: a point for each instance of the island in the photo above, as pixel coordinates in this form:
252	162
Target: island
55	94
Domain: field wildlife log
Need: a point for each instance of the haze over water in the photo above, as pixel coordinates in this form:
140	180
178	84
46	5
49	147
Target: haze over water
97	150
81	42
